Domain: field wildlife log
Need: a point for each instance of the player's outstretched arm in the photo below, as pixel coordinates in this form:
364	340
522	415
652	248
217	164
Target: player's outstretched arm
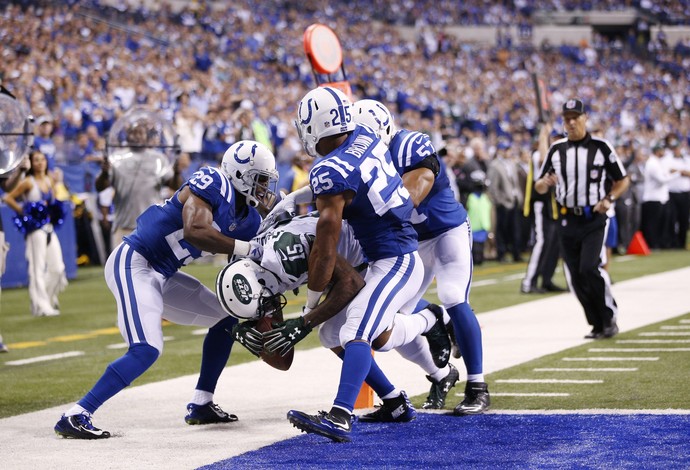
323	253
197	220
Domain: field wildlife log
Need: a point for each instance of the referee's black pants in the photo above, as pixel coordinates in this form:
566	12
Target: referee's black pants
582	242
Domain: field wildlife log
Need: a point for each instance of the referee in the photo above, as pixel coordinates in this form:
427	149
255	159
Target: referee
588	177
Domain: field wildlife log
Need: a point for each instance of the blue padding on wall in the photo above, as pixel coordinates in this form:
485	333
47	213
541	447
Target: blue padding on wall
16	274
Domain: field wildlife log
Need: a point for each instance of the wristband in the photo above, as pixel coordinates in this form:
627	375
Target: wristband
241	248
611	197
313	298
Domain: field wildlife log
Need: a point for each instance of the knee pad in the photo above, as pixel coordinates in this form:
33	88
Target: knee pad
135	362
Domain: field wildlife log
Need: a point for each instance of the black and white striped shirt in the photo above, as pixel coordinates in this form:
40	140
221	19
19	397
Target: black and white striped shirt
582	168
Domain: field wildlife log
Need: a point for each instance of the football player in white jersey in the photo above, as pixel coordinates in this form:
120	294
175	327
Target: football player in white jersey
279	263
355	181
215	211
445	245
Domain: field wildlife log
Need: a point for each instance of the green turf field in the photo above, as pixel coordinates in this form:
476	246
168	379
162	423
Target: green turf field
87	326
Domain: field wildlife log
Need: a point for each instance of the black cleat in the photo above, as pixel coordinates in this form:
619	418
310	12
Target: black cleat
393	410
79	427
324	424
439	390
437	336
476	401
210	413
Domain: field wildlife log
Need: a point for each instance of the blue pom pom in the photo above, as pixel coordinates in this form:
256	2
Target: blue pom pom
34	217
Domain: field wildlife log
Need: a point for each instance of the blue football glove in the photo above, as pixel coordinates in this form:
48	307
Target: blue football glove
285	335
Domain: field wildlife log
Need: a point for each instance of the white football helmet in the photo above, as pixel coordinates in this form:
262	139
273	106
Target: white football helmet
322	112
251	168
374	114
247	291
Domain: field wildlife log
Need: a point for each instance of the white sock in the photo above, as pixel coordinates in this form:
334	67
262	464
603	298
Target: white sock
417	351
475	377
201	397
395	393
405	329
440	374
75	410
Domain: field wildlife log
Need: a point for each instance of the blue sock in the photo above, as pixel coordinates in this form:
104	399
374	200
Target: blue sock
356	365
119	374
469	336
421	305
215	354
376	379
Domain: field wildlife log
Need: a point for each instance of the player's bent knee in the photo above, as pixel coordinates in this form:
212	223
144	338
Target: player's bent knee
145	353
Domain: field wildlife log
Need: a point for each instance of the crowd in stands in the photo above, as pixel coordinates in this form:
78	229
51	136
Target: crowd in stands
239	71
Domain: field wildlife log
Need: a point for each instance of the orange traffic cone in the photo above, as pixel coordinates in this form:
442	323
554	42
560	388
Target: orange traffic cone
638	245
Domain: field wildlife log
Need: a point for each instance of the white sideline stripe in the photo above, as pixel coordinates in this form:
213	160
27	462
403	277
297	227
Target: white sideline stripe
666	333
549	381
610	359
639	350
652	341
485	282
200	331
675	327
50	357
126	345
585	412
494	394
586	369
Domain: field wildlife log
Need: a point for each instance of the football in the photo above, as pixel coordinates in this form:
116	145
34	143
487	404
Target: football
275	359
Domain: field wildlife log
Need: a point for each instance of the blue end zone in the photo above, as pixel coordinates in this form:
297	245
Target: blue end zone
489	441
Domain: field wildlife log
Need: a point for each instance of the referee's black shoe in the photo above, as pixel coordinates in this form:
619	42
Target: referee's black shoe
554	288
611	330
595	334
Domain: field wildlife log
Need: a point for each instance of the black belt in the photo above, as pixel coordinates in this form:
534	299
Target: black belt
576	211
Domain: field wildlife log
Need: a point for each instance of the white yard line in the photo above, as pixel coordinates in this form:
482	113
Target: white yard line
549	381
652	341
586	369
639	349
608	359
50	357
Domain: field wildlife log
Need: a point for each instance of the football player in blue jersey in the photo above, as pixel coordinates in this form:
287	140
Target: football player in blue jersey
445	244
356	181
215	211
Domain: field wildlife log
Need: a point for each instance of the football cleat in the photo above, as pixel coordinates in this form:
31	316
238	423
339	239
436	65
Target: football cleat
324	424
79	427
210	413
3	348
476	401
393	410
437	336
439	390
